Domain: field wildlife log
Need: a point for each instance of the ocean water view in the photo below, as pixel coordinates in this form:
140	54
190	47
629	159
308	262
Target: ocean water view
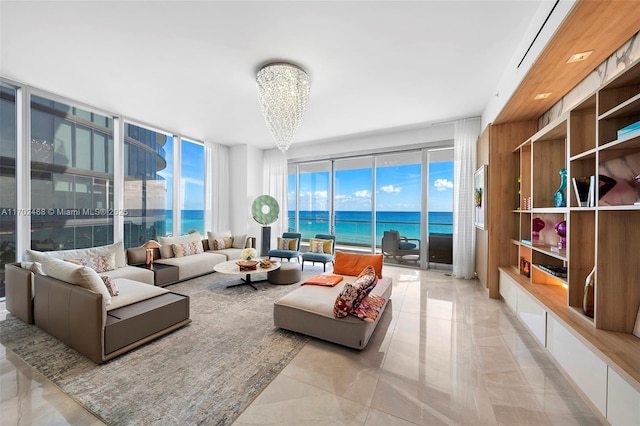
355	227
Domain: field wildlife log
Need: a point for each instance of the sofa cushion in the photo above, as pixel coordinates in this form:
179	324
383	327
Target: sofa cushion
131	272
239	241
117	248
133	292
35	267
192	266
77	275
166	251
353	264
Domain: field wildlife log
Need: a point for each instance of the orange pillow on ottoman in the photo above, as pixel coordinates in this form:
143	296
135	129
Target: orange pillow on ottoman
352	264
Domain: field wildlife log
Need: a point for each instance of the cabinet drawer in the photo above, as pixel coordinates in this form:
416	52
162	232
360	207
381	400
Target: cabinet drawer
587	370
533	315
623	401
508	291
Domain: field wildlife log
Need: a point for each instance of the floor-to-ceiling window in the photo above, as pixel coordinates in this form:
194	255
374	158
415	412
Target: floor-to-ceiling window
148	184
314	202
440	206
352	200
399	197
8	138
192	187
359	198
71	176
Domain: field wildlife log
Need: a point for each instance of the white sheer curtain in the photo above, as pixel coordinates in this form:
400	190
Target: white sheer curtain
275	184
216	187
464	234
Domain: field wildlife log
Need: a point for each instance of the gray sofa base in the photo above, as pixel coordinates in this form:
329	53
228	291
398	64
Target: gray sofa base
309	310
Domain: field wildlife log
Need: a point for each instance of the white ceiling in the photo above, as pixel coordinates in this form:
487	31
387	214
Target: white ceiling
189	66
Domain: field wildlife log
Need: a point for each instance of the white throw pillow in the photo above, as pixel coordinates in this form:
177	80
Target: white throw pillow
166	250
239	241
78	275
35	267
117	248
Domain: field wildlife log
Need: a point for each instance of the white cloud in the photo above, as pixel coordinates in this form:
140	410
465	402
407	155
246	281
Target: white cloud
442	185
390	188
320	194
363	194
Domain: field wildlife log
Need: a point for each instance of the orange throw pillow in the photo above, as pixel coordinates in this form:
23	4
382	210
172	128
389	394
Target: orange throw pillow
353	264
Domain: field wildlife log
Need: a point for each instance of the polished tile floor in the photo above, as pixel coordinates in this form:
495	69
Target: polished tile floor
443	353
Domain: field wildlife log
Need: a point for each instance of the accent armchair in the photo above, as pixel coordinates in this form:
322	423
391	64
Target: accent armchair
401	249
321	250
288	247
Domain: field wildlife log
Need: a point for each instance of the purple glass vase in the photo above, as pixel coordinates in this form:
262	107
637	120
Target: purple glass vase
561	230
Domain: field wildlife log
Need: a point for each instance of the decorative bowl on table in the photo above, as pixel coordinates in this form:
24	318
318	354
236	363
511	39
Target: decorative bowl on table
247	265
266	263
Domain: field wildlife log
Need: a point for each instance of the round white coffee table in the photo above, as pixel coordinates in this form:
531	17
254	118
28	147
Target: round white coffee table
231	267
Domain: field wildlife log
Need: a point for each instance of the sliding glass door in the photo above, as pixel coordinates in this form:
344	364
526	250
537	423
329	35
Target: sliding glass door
408	194
353	201
314	209
399	207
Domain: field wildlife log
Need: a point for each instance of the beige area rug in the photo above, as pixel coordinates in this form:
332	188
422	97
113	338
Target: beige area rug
206	373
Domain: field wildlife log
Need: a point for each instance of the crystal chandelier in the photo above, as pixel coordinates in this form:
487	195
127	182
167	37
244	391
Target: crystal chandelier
283	92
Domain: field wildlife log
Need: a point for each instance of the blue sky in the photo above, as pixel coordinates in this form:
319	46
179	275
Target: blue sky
397	189
192	171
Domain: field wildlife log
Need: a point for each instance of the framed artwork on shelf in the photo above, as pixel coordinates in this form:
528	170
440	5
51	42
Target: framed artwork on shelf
479	196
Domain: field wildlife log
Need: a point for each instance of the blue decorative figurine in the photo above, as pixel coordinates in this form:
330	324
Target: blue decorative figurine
559	198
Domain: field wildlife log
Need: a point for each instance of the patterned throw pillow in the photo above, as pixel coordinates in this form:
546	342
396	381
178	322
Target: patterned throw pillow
283	243
111	285
219	244
98	263
317	246
352	293
369	308
328	245
186	249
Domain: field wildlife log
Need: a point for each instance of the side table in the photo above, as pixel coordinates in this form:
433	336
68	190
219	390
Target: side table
163	275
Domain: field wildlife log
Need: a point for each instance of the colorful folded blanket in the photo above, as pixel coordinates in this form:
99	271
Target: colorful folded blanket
324	280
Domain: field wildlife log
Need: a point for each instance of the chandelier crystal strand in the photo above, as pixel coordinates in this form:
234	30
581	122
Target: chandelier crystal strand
283	92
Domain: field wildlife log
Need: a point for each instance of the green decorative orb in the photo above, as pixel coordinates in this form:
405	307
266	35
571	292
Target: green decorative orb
265	209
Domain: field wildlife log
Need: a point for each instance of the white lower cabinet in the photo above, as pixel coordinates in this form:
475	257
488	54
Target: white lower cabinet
509	291
587	370
533	316
623	401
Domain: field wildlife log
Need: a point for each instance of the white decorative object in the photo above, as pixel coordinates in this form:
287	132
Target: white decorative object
283	92
248	254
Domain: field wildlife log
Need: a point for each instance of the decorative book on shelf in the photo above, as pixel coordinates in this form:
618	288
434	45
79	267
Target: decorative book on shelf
631	129
556	271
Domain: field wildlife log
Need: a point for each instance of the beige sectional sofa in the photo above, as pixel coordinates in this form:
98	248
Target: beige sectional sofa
194	265
71	302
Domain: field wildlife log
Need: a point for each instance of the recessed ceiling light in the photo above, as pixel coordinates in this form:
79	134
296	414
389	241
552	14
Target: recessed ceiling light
542	95
577	57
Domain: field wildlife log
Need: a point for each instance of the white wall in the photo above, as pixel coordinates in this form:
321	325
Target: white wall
372	142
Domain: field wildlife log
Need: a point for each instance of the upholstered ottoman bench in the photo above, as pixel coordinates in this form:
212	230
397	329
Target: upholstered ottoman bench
309	310
287	273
